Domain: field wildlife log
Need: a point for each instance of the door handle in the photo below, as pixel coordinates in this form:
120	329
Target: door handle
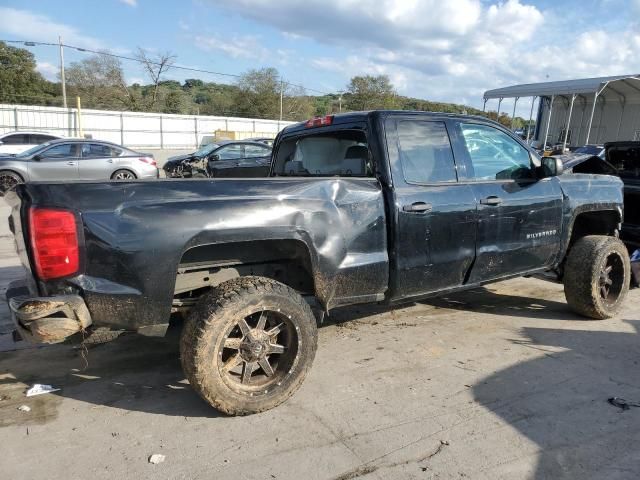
492	200
417	207
110	160
71	163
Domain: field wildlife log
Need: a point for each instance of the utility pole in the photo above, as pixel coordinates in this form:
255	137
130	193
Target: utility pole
281	95
64	83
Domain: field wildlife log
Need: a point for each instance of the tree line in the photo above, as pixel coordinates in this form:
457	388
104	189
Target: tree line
100	82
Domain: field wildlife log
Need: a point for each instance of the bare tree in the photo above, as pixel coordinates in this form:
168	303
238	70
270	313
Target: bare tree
100	80
155	67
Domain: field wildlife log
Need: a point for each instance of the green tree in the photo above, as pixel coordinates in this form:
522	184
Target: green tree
19	80
259	93
369	92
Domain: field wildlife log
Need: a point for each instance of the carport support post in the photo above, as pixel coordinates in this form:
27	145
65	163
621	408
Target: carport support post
546	132
499	103
593	109
623	103
533	100
161	134
566	128
484	105
513	116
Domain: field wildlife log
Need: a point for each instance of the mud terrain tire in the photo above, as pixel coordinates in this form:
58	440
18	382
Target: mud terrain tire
597	276
234	330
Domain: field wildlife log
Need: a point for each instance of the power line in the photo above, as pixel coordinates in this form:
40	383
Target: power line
133	59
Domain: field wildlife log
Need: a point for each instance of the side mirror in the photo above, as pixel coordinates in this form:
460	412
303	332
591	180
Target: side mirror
214	158
1	142
551	167
37	158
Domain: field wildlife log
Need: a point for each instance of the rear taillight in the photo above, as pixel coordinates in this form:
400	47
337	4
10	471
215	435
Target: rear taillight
319	121
54	241
148	160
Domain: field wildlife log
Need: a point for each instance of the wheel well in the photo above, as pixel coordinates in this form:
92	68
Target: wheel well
605	222
124	170
13	171
205	266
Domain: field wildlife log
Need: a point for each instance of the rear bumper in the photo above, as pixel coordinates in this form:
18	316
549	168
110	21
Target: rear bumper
46	319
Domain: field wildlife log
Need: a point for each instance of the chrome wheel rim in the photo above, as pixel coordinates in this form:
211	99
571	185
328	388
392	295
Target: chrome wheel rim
7	182
124	176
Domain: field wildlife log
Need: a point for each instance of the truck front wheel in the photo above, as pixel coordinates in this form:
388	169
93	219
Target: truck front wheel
596	276
248	344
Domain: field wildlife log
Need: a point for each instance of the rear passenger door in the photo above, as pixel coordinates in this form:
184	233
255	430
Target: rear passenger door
256	161
96	162
435	215
519	215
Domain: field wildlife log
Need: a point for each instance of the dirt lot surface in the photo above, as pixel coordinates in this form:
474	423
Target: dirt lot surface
502	382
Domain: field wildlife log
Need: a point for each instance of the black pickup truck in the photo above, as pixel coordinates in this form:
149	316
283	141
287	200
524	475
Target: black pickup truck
361	207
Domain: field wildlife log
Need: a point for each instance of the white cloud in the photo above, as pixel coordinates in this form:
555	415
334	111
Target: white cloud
449	50
48	70
33	26
131	3
246	46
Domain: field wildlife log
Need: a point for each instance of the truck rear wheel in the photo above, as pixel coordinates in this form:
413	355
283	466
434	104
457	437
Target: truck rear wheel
248	344
596	276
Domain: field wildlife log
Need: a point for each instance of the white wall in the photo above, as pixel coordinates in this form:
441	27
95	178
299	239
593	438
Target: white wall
132	129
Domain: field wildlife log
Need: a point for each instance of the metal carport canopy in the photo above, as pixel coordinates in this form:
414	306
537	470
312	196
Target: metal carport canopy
564	87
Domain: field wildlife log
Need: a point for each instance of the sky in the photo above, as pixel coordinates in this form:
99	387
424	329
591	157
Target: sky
437	50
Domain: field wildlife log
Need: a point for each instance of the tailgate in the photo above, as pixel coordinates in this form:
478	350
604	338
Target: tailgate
16	227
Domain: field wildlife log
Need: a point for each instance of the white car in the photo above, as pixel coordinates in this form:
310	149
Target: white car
20	141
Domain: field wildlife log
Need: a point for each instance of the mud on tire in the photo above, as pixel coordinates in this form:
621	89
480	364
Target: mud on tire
247	345
597	276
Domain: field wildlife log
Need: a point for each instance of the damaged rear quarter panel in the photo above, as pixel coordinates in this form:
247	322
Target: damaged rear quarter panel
136	233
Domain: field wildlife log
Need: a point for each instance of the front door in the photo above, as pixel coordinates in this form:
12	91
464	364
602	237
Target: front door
519	215
435	216
58	162
225	161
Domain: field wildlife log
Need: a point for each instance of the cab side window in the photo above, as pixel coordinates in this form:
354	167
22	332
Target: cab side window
62	150
425	152
494	155
16	139
252	151
231	152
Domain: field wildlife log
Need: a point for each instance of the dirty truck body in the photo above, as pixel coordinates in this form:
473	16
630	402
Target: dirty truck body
359	208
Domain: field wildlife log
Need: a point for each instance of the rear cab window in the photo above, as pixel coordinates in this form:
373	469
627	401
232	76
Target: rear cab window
343	153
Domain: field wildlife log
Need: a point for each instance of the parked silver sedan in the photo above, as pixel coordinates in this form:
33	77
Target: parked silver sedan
69	160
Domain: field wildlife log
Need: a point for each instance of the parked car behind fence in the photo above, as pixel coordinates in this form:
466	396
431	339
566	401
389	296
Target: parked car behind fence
75	159
13	143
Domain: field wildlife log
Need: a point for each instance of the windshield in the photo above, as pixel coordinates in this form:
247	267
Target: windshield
206	150
32	150
589	150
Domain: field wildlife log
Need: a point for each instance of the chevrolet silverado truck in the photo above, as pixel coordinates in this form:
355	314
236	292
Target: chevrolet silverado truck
381	206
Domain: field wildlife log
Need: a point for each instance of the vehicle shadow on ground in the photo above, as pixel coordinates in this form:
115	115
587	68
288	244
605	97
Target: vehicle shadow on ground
480	300
133	373
559	401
